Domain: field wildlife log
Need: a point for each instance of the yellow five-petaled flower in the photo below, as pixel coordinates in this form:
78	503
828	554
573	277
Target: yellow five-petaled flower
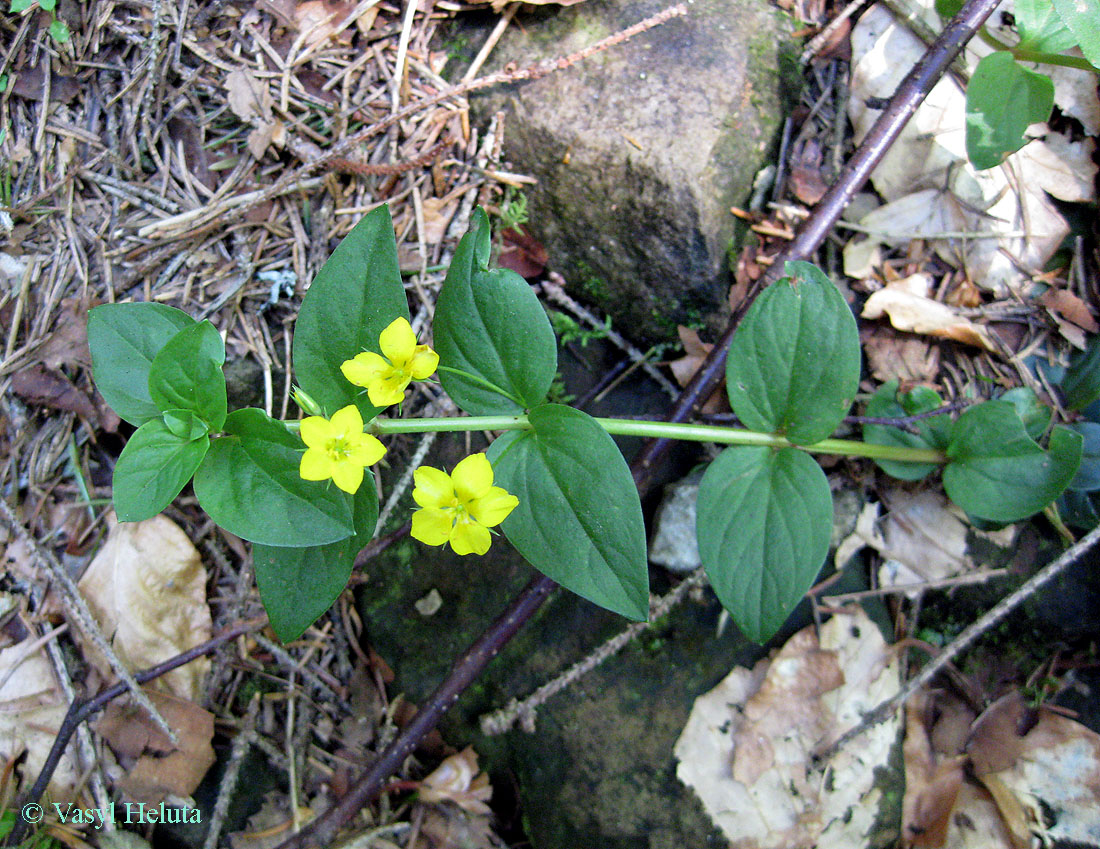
385	377
337	448
459	508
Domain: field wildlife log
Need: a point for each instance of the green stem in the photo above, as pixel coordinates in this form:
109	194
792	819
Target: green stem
1023	54
667	430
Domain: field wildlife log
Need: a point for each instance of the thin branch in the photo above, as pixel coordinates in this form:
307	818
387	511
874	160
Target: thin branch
953	649
82	710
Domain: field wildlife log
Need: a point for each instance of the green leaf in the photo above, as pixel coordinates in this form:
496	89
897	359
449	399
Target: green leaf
490	324
1082	17
47	5
297	585
59	31
997	472
1081	385
793	367
124	339
1041	28
579	520
948	8
1087	478
185	424
1033	413
1003	98
249	484
186	374
1078	509
355	296
763	525
18	6
152	469
934	432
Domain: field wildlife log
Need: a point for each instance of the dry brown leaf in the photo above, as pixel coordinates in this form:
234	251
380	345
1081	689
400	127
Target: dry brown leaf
155	768
807	180
248	97
1066	305
898	356
67	344
321	20
753	767
931	787
147	590
684	368
38	385
910	309
457	780
32	707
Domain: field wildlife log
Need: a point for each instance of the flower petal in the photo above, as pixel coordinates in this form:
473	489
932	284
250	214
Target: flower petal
315	431
493	507
347	475
389	389
424	363
473	477
398	341
347	421
470	538
365	450
433	488
365	368
316	465
431	526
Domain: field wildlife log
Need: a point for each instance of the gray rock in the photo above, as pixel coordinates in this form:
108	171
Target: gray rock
641	150
674	544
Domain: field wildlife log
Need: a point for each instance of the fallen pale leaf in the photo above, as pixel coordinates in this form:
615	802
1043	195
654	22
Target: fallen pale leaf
910	309
998	224
747	749
32	707
457	780
147	590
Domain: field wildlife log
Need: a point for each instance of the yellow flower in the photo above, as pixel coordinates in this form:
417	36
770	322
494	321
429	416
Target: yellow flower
386	377
337	448
461	507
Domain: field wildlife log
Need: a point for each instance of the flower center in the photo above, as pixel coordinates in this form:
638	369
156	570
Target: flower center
338	448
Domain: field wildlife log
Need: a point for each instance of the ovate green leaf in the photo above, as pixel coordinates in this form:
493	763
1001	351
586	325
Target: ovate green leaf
297	585
186	374
354	297
1033	413
1087	478
1041	28
1003	98
490	324
793	366
185	424
996	471
763	525
1081	383
249	484
579	520
124	339
933	432
152	469
1082	17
